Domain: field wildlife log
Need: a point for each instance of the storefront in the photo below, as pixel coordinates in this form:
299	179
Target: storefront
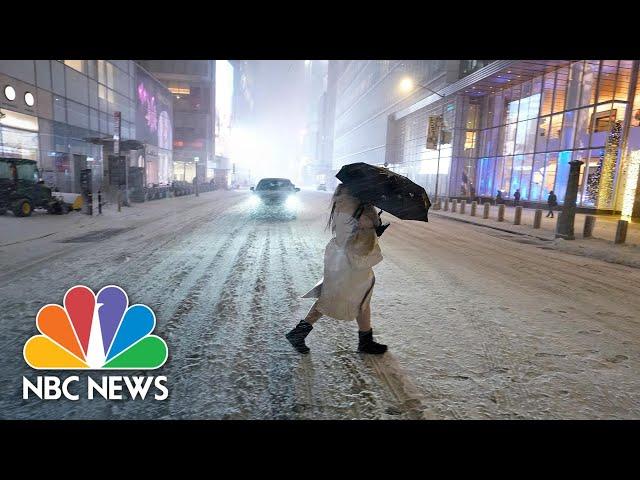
154	128
532	125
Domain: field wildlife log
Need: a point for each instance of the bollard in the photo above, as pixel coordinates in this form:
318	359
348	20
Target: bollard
463	205
487	206
517	216
621	232
99	202
454	205
119	195
537	218
501	212
446	204
474	205
589	223
437	205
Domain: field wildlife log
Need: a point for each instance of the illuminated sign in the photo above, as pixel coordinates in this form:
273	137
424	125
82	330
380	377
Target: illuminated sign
180	91
154	114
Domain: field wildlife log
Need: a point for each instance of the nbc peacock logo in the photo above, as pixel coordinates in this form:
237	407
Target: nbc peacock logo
96	332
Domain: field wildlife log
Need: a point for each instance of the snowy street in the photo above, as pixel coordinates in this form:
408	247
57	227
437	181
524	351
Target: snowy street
480	324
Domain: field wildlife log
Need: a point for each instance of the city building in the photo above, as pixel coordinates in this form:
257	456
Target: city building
192	86
368	94
243	117
70	116
310	162
472	128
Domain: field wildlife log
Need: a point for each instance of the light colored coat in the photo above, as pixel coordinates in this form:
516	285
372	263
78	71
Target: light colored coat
348	257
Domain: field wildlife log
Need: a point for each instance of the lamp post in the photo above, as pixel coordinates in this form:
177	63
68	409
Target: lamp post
407	85
196	160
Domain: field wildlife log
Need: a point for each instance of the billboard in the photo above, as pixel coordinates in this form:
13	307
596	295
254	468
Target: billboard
154	112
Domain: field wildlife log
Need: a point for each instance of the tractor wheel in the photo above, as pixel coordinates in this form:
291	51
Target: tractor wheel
22	208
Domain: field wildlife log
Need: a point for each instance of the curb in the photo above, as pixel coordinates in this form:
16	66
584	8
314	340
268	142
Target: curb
491	227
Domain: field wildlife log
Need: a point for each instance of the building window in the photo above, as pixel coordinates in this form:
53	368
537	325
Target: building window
75	64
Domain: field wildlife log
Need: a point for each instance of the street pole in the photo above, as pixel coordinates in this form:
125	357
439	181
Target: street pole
439	147
440	131
564	228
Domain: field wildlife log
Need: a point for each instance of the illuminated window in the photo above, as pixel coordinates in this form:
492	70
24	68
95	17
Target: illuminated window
75	64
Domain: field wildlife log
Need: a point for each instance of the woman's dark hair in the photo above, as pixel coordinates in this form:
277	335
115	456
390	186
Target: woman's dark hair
340	189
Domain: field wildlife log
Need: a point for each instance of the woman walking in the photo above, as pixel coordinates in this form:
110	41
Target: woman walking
345	291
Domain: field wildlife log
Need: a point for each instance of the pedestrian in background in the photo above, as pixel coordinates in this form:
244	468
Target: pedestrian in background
499	197
516	198
552	201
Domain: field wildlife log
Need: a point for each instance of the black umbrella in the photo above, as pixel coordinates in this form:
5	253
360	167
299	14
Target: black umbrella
386	190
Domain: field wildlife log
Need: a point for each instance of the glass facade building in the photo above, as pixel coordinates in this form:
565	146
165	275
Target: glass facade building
505	125
62	116
367	93
529	132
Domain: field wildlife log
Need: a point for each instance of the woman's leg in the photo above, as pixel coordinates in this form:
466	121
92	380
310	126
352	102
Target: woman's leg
313	315
366	343
299	333
364	318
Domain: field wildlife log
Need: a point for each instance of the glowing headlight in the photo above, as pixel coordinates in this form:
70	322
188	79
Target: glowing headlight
292	202
254	200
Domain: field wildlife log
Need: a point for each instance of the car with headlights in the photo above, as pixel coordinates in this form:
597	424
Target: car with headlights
276	193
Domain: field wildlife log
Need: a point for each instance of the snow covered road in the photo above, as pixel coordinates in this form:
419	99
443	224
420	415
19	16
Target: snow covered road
479	324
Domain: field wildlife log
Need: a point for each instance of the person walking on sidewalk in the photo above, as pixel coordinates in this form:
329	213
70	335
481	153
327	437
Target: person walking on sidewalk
498	197
516	198
552	201
345	291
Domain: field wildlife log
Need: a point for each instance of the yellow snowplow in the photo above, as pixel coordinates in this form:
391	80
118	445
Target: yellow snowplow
74	201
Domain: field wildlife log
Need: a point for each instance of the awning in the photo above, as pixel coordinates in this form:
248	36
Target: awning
124	144
486	80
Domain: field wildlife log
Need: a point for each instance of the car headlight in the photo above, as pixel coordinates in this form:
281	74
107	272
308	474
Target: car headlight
254	200
292	202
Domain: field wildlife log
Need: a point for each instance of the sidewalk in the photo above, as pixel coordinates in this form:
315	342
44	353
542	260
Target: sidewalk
601	246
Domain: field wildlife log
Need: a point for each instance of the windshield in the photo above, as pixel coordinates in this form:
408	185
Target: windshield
274	184
27	172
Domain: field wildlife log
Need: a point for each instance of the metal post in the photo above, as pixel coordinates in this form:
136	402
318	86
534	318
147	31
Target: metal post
463	205
621	232
501	212
119	196
474	205
537	218
446	205
99	202
454	204
564	227
589	223
487	206
517	216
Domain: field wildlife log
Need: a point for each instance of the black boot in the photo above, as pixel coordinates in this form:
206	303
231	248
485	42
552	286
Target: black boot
366	344
297	335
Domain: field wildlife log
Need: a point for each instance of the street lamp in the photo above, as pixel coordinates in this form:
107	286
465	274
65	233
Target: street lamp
407	85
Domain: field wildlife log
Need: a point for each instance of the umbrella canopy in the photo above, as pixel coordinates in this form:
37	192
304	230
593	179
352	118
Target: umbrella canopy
386	190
